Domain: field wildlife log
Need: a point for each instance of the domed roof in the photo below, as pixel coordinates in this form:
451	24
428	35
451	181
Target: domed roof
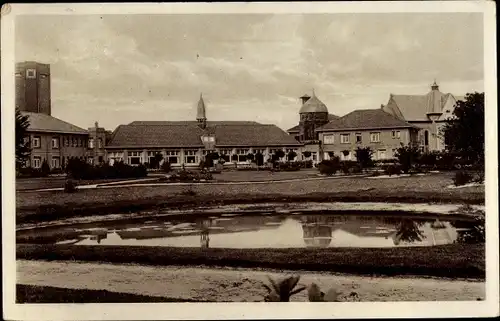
313	105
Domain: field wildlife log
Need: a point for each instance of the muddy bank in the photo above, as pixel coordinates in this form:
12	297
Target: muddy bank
445	261
237	285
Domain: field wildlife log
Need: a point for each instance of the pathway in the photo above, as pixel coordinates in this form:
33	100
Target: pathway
234	284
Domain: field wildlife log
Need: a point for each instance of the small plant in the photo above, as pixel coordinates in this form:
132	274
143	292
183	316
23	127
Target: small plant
392	170
462	178
282	291
315	294
70	186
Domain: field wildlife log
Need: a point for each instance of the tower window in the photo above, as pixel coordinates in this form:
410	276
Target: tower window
30	73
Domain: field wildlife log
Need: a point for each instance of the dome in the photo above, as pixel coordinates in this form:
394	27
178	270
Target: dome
313	105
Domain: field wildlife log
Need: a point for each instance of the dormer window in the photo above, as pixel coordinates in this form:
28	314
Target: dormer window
208	139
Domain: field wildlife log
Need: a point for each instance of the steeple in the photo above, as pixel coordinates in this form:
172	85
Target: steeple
201	113
434	86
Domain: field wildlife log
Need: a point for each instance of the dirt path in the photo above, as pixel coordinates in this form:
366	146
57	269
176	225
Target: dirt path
238	285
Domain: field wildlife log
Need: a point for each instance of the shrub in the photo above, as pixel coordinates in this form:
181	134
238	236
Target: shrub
347	166
259	159
305	164
45	169
306	154
329	167
479	177
280	154
289	167
408	156
250	157
70	186
392	170
429	160
166	166
462	178
291	155
364	157
79	169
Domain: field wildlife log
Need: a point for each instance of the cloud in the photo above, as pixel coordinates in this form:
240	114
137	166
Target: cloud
121	68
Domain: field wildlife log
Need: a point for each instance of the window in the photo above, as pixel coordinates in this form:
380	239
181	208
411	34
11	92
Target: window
259	150
190	156
37	162
56	162
91	143
382	154
242	154
134	158
314	156
36	142
344	138
66	141
99	143
55	142
359	138
375	137
30	73
329	139
226	154
396	134
172	156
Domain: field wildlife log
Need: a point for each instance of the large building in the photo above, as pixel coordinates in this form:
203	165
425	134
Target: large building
185	143
373	128
51	139
33	87
428	112
54	141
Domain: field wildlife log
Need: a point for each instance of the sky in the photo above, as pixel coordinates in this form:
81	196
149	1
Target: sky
115	69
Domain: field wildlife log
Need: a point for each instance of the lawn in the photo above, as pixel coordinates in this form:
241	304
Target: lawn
50	294
448	261
27	184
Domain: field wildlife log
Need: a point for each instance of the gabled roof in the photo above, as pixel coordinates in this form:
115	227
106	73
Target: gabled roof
365	119
188	134
416	107
45	123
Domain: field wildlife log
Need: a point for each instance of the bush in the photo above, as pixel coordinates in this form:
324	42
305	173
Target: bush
29	172
79	169
462	178
166	166
392	170
329	167
306	154
347	166
364	157
45	169
429	160
289	167
305	164
408	156
70	186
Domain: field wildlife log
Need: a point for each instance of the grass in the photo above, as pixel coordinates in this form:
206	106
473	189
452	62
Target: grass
27	184
448	261
44	206
49	294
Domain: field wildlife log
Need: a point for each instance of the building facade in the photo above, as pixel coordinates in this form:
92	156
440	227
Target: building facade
373	128
33	87
428	112
54	141
186	143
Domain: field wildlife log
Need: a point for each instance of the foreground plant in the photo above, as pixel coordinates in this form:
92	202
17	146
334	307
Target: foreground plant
282	291
315	294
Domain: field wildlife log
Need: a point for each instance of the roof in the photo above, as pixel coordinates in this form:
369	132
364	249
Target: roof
416	107
188	134
365	119
313	105
45	123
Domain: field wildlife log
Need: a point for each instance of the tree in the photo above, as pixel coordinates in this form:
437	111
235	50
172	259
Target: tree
464	132
23	149
250	157
407	156
280	154
291	155
155	161
306	154
259	159
364	157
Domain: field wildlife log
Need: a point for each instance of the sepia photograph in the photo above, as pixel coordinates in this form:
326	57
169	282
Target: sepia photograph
218	160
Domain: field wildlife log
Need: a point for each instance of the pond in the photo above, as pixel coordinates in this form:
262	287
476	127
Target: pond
266	231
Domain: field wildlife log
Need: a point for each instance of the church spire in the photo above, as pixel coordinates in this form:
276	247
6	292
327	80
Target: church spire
434	86
201	113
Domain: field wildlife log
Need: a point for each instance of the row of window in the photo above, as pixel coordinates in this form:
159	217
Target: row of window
56	161
379	154
56	142
346	138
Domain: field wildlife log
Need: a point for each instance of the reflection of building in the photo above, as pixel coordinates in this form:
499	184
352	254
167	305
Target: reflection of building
317	235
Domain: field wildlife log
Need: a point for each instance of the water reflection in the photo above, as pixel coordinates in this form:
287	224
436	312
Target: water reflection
269	231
